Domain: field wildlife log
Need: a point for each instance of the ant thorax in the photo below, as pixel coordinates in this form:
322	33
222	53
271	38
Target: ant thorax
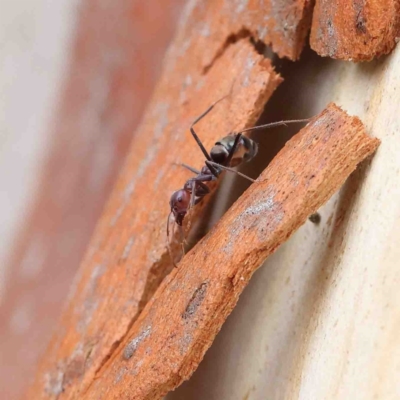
246	149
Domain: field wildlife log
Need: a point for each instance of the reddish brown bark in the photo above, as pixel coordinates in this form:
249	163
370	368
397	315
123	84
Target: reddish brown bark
128	256
283	25
355	30
115	62
170	337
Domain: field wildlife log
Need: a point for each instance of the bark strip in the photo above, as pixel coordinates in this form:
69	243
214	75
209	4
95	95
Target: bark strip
181	321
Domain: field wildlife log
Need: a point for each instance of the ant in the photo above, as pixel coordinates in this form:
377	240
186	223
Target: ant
227	153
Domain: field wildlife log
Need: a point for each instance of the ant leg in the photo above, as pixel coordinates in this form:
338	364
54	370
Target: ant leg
233	149
205	192
204	177
183	240
205	188
198	180
168	241
192	195
194	170
194	134
274	124
208	163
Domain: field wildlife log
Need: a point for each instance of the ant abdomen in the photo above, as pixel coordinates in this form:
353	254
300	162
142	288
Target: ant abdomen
219	153
244	150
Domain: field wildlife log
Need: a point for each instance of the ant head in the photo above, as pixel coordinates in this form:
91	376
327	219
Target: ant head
179	204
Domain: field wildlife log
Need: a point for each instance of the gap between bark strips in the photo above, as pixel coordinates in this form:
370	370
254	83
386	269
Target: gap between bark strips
233	38
163	267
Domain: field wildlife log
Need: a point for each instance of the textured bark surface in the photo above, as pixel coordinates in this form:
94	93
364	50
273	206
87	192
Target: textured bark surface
320	319
127	257
283	25
115	62
354	29
170	337
110	80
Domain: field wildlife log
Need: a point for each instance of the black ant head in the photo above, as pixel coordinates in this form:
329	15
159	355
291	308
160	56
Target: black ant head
179	204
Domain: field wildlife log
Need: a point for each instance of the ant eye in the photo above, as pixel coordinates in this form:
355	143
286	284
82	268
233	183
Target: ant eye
180	199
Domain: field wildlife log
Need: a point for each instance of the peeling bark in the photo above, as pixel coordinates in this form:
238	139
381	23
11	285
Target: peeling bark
355	30
128	258
179	324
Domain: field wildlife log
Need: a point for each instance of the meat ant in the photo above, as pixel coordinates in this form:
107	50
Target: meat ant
227	153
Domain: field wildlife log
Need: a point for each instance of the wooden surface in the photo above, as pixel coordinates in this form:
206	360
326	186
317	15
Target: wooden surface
114	63
113	276
167	342
214	24
127	257
355	30
319	320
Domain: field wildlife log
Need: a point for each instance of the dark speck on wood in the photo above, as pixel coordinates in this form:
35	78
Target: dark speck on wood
195	301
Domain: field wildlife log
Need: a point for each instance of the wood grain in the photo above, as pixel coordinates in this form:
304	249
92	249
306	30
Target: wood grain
90	126
127	257
355	30
283	25
169	339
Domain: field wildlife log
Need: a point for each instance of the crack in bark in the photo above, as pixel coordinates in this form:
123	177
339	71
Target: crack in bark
233	38
156	274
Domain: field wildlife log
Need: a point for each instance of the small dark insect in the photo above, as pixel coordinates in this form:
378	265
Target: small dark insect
227	153
315	218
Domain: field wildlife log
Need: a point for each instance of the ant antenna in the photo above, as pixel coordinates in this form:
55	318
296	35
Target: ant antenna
274	124
270	125
183	240
196	138
231	170
168	241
